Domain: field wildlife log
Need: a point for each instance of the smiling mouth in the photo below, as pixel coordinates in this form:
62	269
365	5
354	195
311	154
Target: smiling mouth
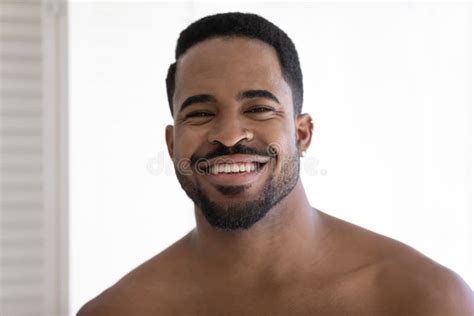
236	164
233	168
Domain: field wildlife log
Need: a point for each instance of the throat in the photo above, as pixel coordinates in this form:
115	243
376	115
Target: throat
277	246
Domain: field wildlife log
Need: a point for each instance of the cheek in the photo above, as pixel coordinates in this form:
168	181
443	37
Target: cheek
188	140
287	148
281	136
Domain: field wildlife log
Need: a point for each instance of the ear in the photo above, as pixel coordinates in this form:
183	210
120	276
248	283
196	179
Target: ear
304	131
170	140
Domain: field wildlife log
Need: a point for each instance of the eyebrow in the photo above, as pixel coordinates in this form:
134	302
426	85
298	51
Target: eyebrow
252	94
247	94
200	98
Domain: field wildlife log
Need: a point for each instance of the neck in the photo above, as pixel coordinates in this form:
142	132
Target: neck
283	242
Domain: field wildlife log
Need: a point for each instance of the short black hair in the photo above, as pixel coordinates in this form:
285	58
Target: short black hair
242	25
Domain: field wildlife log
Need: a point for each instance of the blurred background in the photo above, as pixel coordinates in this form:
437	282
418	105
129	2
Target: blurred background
87	191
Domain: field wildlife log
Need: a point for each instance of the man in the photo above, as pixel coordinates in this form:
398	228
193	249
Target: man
259	248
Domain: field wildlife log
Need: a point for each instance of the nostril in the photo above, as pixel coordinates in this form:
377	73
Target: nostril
248	134
229	135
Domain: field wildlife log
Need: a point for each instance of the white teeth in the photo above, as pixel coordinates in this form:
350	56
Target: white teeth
220	168
228	168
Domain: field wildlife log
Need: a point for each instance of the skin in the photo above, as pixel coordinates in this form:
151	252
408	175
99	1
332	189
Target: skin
297	260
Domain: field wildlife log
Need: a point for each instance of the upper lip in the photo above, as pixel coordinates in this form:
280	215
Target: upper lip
231	159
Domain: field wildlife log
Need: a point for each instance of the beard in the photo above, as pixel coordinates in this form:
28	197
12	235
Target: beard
243	214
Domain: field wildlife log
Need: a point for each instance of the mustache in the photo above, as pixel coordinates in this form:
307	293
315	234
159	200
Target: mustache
222	150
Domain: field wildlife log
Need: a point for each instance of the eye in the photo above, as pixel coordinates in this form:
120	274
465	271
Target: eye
199	114
260	109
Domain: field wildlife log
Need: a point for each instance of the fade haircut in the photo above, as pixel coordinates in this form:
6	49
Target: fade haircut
242	25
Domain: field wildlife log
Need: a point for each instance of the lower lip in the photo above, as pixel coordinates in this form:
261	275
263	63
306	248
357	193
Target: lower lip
240	178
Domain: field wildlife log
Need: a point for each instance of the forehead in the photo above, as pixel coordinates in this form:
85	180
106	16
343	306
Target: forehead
228	65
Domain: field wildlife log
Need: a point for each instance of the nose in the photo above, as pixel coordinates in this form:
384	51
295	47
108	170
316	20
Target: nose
229	131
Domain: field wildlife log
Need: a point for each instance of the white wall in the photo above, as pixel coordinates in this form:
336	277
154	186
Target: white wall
389	88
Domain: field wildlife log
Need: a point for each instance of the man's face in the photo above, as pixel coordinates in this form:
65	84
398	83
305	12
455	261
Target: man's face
234	141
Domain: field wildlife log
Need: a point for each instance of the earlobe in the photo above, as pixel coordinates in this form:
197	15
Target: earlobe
304	131
170	140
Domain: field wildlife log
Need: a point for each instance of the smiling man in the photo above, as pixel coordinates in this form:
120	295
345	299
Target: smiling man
259	247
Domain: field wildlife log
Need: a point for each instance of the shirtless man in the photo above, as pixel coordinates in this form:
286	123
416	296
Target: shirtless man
259	248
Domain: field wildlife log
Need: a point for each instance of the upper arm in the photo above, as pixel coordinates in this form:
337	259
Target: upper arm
449	295
91	309
111	302
416	285
98	307
127	301
439	292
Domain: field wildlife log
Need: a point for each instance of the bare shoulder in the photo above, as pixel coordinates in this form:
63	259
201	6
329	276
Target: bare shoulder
400	280
420	286
149	289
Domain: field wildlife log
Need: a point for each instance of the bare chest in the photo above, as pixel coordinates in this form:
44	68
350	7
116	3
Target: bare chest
303	298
